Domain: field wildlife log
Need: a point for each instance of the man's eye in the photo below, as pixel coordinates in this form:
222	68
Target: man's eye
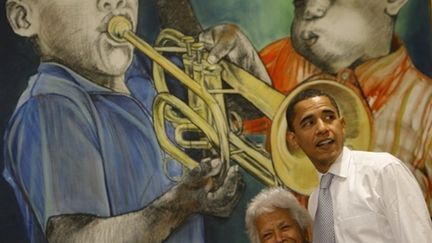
307	123
330	117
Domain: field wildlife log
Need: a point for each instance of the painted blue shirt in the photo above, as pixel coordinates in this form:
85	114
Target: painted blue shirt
76	147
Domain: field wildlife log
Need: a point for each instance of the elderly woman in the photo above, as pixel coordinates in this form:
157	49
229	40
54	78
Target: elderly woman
275	215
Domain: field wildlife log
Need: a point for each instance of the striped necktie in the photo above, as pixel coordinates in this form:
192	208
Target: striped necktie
323	231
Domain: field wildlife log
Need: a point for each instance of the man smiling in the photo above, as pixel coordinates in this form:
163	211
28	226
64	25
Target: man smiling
373	196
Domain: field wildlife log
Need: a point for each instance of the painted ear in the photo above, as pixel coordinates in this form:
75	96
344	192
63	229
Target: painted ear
393	6
19	15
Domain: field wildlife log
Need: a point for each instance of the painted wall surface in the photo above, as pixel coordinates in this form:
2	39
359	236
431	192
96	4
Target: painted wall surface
262	21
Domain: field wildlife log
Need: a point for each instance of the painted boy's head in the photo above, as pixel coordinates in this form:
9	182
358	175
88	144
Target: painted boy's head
73	33
335	34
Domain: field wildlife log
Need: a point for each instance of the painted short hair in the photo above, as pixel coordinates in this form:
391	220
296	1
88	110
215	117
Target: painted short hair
267	201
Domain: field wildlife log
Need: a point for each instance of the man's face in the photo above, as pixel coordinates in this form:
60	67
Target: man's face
318	131
334	34
278	226
73	32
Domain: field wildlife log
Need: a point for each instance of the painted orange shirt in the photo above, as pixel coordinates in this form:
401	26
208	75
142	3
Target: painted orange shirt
399	95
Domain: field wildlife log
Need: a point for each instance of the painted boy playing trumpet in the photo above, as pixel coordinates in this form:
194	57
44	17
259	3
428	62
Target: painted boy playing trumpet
80	150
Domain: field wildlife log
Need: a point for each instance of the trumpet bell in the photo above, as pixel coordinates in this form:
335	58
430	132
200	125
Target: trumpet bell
292	166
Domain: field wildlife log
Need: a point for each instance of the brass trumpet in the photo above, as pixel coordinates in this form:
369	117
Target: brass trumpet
206	110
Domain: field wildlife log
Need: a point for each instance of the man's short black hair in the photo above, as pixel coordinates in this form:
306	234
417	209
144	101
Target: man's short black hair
304	95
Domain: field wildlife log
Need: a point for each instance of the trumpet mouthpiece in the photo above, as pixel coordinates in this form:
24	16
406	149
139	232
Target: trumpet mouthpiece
117	27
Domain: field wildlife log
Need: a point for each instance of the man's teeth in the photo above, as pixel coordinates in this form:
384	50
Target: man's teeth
324	142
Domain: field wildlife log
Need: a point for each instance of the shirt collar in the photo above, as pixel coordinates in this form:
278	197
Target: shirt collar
64	72
340	166
378	77
61	71
385	65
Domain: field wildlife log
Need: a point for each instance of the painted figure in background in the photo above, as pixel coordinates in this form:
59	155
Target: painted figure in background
363	196
275	215
354	43
80	150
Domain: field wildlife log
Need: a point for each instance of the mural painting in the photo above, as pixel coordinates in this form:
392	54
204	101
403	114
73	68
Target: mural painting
174	138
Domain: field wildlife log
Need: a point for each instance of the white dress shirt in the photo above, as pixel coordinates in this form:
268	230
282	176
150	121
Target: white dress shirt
375	199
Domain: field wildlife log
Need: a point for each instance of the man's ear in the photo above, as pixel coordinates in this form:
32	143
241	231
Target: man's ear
292	141
342	120
20	17
393	6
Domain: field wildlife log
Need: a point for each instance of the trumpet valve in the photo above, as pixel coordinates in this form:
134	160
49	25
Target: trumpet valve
198	48
188	40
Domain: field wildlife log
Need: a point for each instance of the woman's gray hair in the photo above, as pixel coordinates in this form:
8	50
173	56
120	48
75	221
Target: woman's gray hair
267	201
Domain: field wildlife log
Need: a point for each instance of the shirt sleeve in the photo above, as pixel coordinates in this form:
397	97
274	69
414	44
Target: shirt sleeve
53	154
403	204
